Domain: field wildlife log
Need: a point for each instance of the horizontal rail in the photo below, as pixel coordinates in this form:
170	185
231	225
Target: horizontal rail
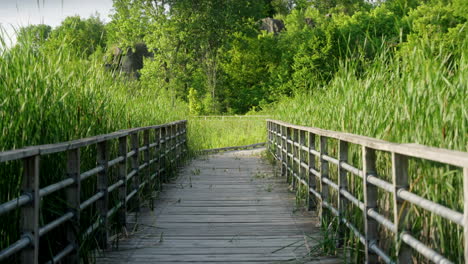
69	145
91	200
452	157
431	206
55	187
15	203
423	249
57	258
15	247
47	228
91	172
289	146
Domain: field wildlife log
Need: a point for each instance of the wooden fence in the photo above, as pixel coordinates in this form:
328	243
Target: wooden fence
163	148
294	147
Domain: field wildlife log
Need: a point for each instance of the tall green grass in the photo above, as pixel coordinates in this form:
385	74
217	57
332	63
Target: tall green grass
55	96
218	132
416	96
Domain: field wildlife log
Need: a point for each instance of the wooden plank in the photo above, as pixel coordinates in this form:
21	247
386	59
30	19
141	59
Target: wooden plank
30	211
233	221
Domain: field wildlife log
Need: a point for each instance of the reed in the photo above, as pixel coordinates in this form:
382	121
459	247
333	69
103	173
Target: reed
55	96
415	96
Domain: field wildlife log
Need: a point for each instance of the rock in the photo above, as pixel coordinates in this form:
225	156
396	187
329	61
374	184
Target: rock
309	22
272	25
131	62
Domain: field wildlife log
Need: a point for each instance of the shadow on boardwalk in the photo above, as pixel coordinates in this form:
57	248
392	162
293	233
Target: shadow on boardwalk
226	208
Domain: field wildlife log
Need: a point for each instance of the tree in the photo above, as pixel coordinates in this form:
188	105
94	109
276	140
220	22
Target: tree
83	36
34	35
130	23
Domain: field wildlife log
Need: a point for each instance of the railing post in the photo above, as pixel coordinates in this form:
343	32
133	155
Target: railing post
180	140
103	203
157	151
312	204
162	155
146	160
400	180
278	143
268	135
173	150
134	141
73	203
465	218
122	192
343	185
185	139
302	157
170	147
30	211
284	154
295	164
289	160
176	152
323	174
370	202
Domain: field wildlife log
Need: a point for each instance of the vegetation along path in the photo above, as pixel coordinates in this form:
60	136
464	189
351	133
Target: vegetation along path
223	208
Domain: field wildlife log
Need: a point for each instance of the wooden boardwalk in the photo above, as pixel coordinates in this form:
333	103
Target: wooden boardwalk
226	208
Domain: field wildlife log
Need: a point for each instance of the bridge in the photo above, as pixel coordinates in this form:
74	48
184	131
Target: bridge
136	196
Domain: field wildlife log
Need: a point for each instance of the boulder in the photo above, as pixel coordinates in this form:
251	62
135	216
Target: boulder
130	62
272	25
309	22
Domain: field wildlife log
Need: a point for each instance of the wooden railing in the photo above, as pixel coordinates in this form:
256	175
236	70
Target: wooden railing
163	148
294	147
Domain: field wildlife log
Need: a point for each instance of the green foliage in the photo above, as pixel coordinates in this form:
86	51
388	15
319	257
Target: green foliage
50	96
129	23
413	97
34	35
83	36
394	70
195	106
220	132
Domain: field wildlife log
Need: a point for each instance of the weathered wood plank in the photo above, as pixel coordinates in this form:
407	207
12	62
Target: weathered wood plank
30	212
216	213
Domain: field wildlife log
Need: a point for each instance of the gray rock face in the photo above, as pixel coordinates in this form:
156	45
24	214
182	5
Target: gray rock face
272	25
132	61
310	22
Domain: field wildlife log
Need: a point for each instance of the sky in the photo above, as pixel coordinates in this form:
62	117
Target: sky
16	13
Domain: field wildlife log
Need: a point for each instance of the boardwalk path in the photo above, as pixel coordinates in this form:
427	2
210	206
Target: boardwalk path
227	208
